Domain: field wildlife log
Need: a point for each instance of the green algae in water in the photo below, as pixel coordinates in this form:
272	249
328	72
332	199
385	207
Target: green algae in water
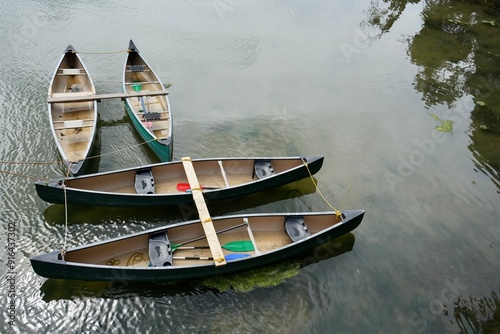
490	22
249	280
445	126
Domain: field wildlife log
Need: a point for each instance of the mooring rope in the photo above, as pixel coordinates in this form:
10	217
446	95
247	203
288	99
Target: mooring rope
63	250
59	162
337	212
22	175
120	150
31	162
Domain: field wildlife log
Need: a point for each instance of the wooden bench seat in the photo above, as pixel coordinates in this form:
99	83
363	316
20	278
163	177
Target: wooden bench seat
73	124
71	71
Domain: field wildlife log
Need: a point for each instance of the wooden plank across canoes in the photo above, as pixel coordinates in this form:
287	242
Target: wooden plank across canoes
206	220
99	97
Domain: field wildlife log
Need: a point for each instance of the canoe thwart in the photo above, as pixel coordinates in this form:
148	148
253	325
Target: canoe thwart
252	238
144	182
160	250
263	169
143	83
73	124
98	97
71	71
296	228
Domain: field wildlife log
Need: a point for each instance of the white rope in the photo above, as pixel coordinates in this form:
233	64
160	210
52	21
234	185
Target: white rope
63	250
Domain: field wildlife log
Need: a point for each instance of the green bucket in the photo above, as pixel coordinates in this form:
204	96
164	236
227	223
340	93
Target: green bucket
137	86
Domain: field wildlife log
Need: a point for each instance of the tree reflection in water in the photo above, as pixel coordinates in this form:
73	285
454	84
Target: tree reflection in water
457	51
478	315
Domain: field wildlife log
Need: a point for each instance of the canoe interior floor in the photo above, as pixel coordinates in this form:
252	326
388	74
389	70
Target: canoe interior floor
168	186
74	142
265	240
75	152
130	259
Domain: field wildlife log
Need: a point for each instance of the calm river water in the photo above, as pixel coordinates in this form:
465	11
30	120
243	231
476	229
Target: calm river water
401	97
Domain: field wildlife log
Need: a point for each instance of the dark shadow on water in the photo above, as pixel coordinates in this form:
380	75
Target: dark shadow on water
265	277
54	214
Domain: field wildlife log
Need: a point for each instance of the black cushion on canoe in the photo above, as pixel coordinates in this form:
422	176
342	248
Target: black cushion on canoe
144	182
137	68
160	250
263	168
296	228
151	116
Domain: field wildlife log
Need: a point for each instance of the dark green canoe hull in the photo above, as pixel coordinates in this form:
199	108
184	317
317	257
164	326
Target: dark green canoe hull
162	148
51	265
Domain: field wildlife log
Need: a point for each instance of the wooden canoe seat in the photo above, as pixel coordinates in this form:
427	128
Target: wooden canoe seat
263	169
71	71
73	124
296	228
160	250
77	119
144	182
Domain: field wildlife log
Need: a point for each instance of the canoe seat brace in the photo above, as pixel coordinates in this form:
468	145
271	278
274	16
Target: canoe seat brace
160	250
144	182
263	169
296	228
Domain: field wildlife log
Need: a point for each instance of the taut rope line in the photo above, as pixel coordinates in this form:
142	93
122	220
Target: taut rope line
23	175
60	162
337	212
63	250
31	162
